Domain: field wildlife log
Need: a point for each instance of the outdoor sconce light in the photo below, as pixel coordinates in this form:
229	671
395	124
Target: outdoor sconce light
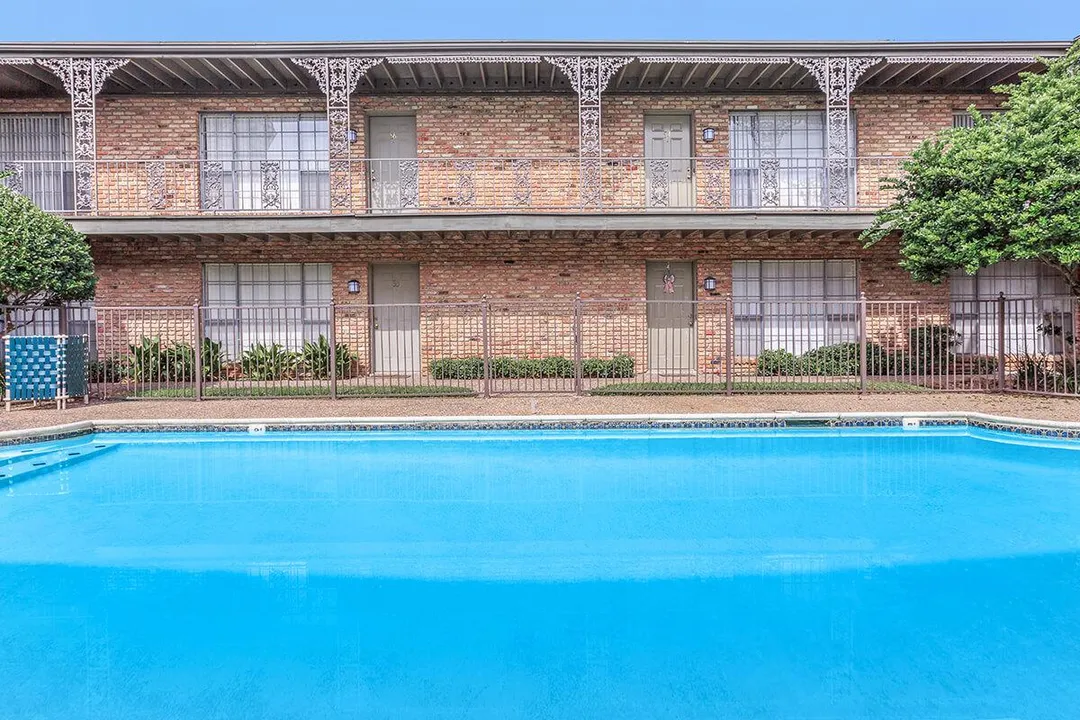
708	134
352	136
354	287
709	283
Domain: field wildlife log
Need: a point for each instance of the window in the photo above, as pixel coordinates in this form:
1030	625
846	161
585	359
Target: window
283	303
793	305
258	152
964	119
778	159
36	150
1037	297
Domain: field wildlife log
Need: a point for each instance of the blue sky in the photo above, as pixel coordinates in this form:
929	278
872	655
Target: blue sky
539	20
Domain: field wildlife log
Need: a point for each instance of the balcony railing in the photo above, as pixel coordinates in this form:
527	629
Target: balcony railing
453	185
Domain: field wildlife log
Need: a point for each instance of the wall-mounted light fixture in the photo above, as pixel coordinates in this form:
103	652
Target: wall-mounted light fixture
709	283
354	287
352	136
708	134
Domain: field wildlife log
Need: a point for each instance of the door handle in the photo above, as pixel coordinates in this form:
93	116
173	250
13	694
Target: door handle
376	324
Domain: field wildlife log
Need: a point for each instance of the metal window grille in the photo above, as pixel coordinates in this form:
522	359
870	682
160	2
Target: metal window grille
793	305
266	303
254	161
36	152
778	158
1036	293
964	118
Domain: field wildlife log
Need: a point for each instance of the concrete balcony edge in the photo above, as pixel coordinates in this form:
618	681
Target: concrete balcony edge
751	221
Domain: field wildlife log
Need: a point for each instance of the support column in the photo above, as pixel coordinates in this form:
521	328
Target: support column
337	78
83	79
837	77
589	76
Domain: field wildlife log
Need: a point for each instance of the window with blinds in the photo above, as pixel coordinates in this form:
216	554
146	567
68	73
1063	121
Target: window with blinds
36	154
289	151
778	158
793	305
1036	294
250	303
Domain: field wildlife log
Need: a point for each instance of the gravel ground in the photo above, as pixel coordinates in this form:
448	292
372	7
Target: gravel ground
1010	405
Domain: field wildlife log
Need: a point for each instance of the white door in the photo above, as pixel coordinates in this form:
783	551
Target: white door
395	318
670	317
669	180
394	169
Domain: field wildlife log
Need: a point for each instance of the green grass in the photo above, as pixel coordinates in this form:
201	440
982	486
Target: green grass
756	386
286	391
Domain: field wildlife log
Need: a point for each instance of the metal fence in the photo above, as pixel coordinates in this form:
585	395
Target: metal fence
576	345
168	186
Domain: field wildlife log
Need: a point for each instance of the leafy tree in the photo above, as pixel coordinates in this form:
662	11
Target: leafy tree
1006	189
43	260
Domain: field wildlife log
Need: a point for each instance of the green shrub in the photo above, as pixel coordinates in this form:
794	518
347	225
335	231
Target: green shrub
153	361
316	358
213	359
932	346
107	371
274	362
839	359
777	362
470	368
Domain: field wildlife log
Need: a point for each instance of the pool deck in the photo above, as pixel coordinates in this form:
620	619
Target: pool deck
1018	406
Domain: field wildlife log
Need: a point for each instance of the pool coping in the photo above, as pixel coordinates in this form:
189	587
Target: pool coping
1027	426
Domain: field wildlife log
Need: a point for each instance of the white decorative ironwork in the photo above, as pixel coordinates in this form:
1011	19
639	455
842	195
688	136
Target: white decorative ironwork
589	77
950	59
466	182
155	184
337	78
270	171
16	61
717	59
419	59
770	182
213	185
83	79
714	170
522	170
409	183
13	176
837	78
659	178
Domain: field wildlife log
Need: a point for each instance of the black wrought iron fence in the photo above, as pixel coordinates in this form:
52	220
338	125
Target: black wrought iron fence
574	345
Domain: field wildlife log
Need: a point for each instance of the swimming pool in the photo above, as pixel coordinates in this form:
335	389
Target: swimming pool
688	573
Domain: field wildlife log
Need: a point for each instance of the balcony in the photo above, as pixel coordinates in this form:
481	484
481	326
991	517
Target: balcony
449	185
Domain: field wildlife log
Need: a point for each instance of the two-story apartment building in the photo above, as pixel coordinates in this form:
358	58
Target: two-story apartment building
398	173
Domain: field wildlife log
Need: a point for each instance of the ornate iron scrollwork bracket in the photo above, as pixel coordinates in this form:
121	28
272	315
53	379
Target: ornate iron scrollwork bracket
589	76
837	78
83	79
337	78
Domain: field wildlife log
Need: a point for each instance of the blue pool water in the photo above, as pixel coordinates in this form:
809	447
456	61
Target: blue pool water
563	574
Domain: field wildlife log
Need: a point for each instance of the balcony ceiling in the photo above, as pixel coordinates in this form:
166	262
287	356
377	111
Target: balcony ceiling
265	68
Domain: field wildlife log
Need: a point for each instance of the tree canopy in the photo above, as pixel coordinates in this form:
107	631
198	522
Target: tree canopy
1006	189
43	260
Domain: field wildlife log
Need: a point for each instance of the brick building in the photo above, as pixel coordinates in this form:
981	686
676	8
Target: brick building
297	175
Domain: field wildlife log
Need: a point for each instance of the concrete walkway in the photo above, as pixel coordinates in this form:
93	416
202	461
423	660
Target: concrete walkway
1064	409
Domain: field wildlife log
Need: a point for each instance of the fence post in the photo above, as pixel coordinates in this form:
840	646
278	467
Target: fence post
332	339
1001	341
485	345
198	351
862	342
578	380
729	345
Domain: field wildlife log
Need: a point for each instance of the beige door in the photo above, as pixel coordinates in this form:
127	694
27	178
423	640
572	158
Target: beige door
669	179
395	318
670	317
394	169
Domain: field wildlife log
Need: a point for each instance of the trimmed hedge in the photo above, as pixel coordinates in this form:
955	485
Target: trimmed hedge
472	368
